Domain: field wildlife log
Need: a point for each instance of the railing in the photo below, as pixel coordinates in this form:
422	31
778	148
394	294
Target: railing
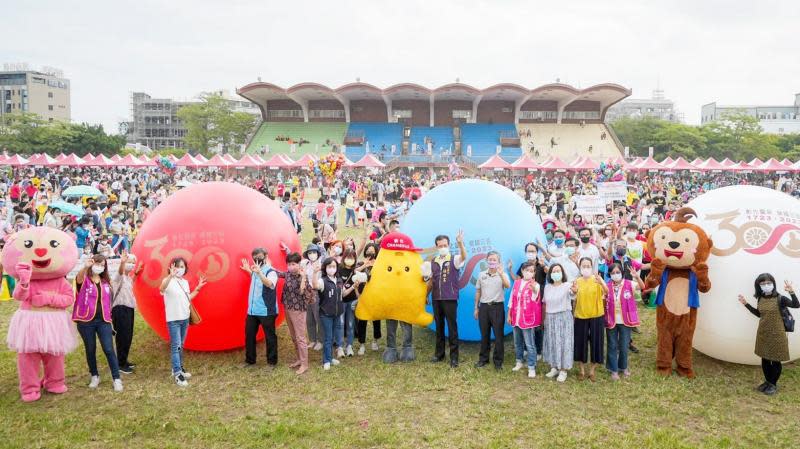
615	138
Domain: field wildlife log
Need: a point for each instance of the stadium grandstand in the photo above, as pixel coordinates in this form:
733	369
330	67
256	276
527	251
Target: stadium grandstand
409	124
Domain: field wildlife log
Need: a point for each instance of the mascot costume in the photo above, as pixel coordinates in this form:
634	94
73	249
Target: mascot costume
396	292
679	250
41	331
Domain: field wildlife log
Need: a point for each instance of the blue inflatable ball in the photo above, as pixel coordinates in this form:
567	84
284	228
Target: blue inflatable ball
492	217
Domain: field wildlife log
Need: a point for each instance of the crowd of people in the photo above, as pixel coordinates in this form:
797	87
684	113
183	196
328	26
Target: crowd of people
572	301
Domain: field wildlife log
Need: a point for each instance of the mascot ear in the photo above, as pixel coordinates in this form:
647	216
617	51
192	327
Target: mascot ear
710	244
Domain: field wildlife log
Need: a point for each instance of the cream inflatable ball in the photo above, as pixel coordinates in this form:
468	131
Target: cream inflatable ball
755	230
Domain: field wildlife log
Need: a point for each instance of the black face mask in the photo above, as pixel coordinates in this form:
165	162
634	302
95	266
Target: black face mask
585	239
259	261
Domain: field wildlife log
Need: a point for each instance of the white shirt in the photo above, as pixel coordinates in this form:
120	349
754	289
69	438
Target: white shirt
591	252
176	300
570	269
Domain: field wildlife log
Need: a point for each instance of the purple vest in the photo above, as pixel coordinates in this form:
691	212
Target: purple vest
444	281
630	316
86	302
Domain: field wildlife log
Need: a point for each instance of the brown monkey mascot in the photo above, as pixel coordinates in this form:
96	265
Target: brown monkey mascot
679	250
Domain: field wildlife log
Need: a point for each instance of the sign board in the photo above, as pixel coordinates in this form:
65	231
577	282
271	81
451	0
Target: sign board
590	205
612	191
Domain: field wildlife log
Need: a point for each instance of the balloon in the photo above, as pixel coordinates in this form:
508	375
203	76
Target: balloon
492	217
755	230
213	226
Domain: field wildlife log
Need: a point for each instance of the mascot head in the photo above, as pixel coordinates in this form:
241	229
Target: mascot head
51	253
677	243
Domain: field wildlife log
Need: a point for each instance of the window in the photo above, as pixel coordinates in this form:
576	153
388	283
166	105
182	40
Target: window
49	95
506	110
401	113
462	114
326	113
50	107
581	115
536	115
285	113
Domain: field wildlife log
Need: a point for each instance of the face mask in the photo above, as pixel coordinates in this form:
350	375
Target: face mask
129	266
569	250
556	277
767	288
443	251
559	241
527	275
549	237
180	272
312	257
370	255
530	256
616	277
331	271
337	251
586	272
585	239
259	261
349	262
97	269
631	234
493	265
621	252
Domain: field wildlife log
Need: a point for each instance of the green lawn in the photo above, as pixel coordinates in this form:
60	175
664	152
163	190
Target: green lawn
364	403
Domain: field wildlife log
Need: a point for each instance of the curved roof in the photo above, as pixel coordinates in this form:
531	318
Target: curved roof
360	91
505	91
407	91
456	91
311	91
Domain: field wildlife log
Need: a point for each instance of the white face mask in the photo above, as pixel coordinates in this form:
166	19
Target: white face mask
631	234
767	288
349	262
337	251
556	276
527	275
312	257
443	251
129	266
586	272
97	269
530	256
616	277
331	271
180	272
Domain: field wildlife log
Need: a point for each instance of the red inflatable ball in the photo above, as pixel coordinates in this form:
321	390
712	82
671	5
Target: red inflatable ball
213	226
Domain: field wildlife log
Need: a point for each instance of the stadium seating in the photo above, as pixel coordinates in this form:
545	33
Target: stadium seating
377	135
484	138
572	140
316	133
442	137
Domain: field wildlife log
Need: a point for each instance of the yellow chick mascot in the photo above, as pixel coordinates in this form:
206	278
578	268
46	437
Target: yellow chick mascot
396	292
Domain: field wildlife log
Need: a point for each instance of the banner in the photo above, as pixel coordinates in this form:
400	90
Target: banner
612	191
589	205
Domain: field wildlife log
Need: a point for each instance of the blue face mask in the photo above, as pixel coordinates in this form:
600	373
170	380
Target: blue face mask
559	241
569	250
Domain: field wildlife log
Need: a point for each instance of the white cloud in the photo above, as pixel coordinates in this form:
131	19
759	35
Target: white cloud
734	52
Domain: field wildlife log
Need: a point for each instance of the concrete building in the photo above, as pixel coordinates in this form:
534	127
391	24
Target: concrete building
658	106
45	93
773	119
155	124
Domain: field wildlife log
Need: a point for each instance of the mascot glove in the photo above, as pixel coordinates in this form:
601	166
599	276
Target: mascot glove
24	272
425	269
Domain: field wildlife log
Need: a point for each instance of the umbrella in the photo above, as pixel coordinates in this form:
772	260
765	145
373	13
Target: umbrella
73	209
81	191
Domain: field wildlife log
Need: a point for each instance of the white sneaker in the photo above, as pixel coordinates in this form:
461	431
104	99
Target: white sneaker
317	346
326	366
117	384
539	358
349	351
334	362
562	376
362	349
517	367
375	346
94	381
551	374
340	353
181	380
531	373
186	375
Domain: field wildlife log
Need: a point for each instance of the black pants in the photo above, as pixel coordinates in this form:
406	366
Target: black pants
446	310
772	370
491	318
361	330
251	330
122	320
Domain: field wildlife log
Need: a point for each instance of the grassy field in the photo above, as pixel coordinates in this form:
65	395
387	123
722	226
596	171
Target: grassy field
364	403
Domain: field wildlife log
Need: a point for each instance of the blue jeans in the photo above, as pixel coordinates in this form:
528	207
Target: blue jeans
330	326
123	246
104	331
524	340
177	335
351	215
618	340
349	322
338	332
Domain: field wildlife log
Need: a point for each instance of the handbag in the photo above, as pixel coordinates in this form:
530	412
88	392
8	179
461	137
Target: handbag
194	316
788	319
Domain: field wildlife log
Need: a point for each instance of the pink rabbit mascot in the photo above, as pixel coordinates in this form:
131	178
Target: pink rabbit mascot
41	331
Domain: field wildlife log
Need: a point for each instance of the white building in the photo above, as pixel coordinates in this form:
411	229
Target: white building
658	106
773	119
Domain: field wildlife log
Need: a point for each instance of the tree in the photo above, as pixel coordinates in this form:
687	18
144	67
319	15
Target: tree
211	122
676	139
27	133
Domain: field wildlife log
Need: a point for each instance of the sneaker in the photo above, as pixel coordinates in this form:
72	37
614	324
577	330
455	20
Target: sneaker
94	381
614	376
517	367
334	362
317	346
185	374
562	376
375	346
551	374
181	380
531	373
126	369
770	389
326	366
117	384
627	373
131	365
539	358
349	351
340	353
763	386
362	349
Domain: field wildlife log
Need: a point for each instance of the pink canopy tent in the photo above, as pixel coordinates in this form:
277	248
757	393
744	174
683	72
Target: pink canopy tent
116	158
755	162
61	157
710	164
620	160
697	161
635	161
289	161
348	162
229	158
649	164
247	161
368	161
15	160
303	161
172	158
772	165
741	167
88	158
277	161
145	161
727	163
188	161
524	163
101	161
128	161
495	163
72	161
555	164
680	164
42	159
200	157
584	163
259	159
667	161
217	161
